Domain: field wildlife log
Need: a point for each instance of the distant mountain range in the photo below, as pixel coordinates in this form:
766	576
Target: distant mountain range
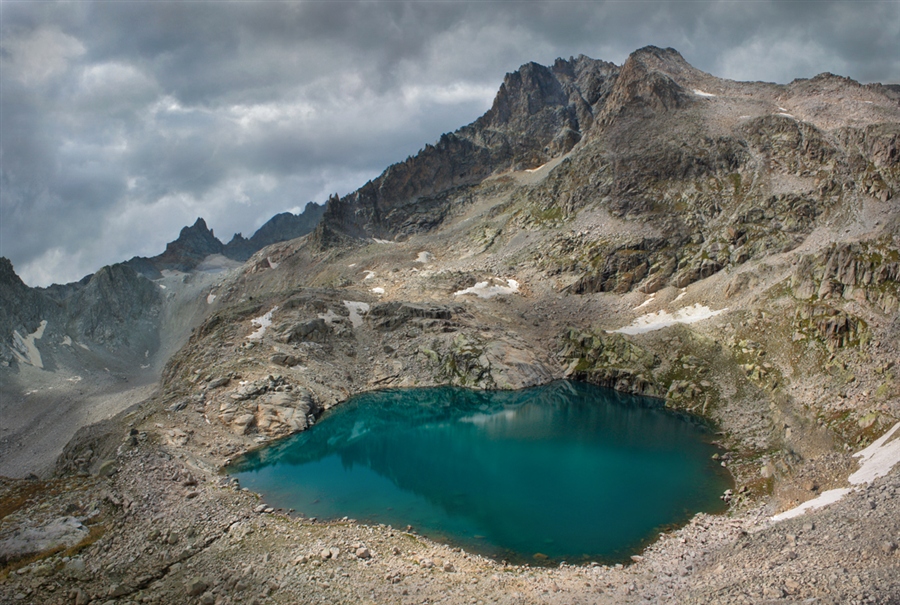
198	241
115	307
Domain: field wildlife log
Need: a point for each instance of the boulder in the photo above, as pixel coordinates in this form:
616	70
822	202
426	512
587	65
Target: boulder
196	586
314	330
25	541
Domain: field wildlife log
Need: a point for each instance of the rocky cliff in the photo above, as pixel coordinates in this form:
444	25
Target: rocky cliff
115	308
539	113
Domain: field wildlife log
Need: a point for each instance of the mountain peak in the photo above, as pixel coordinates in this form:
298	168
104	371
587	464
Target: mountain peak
199	227
649	82
8	274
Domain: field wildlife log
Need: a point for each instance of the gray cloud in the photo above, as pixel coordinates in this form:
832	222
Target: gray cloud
122	122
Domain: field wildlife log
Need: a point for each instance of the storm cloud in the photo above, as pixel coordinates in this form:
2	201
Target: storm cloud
122	122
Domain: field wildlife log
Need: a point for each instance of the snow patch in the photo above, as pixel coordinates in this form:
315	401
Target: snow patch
645	303
272	263
357	310
826	498
26	350
162	286
263	321
536	169
369	275
878	459
491	288
875	461
211	298
664	319
787	115
66	341
424	257
680	295
382	241
378	290
700	93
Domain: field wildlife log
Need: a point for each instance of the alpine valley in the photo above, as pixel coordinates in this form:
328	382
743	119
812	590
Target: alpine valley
730	248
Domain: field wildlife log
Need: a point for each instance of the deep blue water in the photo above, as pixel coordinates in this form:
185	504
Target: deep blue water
567	471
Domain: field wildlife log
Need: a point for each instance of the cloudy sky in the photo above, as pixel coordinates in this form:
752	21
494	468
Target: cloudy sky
121	122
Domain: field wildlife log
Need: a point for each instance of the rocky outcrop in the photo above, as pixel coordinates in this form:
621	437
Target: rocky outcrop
472	361
271	407
610	360
391	315
863	272
59	533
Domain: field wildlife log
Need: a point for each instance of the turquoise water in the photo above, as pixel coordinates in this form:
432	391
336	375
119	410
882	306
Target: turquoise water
567	471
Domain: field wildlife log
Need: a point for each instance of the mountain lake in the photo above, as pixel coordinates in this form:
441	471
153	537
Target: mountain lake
567	471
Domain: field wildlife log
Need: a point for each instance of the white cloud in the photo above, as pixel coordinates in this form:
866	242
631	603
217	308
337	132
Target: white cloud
115	87
37	56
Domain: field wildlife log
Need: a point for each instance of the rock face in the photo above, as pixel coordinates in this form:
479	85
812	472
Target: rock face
194	243
21	310
115	308
539	113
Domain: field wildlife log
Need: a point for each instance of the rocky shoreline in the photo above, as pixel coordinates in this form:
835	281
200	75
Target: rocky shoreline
160	525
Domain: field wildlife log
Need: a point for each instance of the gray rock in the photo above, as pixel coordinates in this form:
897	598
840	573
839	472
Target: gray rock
78	597
75	566
64	531
196	586
178	406
107	468
314	330
218	382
